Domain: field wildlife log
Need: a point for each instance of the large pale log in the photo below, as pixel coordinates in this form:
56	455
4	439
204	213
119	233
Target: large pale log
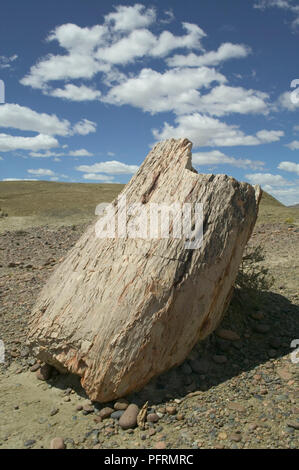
119	311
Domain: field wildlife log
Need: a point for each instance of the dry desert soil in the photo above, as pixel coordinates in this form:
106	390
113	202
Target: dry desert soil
237	389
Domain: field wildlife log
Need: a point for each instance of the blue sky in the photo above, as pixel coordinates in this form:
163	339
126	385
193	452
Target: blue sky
91	85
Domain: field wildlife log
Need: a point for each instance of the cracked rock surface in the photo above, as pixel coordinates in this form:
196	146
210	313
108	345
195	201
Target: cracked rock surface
120	311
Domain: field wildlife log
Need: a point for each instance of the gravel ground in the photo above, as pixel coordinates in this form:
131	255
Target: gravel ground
237	389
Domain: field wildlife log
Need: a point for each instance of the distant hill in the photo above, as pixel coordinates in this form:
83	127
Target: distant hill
271	210
47	198
31	203
269	200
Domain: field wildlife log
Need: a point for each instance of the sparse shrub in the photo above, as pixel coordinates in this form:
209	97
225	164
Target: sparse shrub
253	275
3	213
289	220
20	233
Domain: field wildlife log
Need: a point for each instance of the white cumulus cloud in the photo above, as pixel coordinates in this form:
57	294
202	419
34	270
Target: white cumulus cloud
207	131
289	166
293	145
225	52
39	142
76	93
267	179
26	119
215	157
112	167
128	18
98	177
84	127
176	89
122	38
41	172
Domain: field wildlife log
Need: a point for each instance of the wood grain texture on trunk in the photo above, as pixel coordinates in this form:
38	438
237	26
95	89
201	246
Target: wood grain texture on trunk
119	311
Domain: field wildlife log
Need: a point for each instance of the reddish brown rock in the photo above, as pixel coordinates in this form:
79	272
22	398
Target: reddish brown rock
105	412
160	445
129	418
57	443
121	404
227	334
44	372
152	418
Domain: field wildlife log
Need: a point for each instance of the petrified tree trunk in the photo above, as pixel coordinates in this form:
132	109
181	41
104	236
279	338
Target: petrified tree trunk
118	311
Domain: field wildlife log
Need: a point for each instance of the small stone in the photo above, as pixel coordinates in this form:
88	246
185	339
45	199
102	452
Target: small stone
29	443
152	418
54	411
171	410
293	424
57	443
44	372
222	436
105	412
79	408
31	361
12	265
180	416
252	426
257	315
66	399
261	328
236	437
161	410
194	394
117	414
24	351
229	335
151	432
88	408
219	359
34	368
129	418
98	419
160	445
121	404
